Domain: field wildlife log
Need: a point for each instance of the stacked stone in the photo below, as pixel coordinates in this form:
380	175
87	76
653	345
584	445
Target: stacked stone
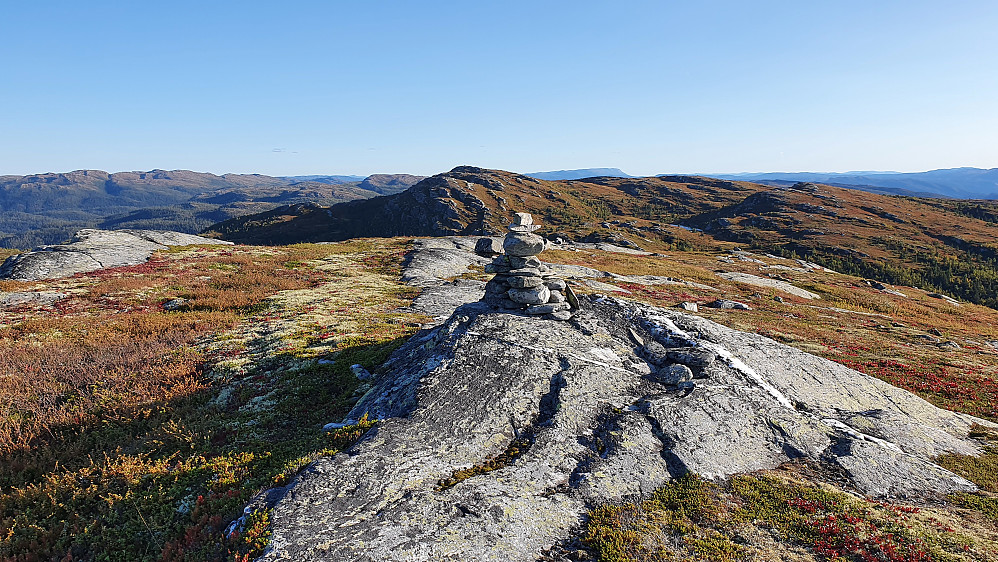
522	282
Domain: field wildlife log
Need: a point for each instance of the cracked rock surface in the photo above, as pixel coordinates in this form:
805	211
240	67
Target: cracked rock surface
91	249
601	424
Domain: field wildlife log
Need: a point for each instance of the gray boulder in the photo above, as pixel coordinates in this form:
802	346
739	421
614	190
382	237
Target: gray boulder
488	246
91	250
592	426
673	374
523	244
30	298
532	295
729	304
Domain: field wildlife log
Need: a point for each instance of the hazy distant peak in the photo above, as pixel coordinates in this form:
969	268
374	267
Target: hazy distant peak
964	183
579	174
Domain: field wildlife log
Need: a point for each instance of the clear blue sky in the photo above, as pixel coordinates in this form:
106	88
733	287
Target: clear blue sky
297	87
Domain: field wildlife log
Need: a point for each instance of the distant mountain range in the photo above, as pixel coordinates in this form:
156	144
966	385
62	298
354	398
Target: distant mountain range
959	183
323	179
579	174
47	208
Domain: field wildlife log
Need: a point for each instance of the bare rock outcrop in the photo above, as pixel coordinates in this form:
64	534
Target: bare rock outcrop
499	430
91	249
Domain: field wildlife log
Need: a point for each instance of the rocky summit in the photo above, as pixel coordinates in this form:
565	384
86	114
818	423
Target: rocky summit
500	429
91	250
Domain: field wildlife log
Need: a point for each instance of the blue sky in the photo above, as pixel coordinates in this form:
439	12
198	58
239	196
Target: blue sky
389	86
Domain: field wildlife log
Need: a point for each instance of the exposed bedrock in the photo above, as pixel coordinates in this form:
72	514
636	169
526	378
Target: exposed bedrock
608	406
91	249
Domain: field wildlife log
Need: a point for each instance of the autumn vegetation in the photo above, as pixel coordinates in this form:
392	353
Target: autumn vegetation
134	431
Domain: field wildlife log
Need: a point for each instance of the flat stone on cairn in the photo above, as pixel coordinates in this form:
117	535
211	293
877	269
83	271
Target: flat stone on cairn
522	281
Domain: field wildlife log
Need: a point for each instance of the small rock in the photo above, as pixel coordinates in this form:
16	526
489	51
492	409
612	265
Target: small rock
778	298
949	345
338	425
878	285
533	295
525	271
673	374
524	282
518	262
935	332
523	244
946	298
560	315
638	339
556	296
655	353
497	268
571	298
496	286
691	356
174	304
728	304
30	298
689	306
360	372
488	247
556	284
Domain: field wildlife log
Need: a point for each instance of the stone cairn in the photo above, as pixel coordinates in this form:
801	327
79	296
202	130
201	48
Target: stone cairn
522	282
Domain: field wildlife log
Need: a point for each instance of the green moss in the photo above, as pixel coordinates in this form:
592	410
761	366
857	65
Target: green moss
982	470
515	450
987	505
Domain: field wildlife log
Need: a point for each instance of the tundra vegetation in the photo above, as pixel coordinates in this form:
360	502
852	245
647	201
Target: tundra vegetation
130	431
133	432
